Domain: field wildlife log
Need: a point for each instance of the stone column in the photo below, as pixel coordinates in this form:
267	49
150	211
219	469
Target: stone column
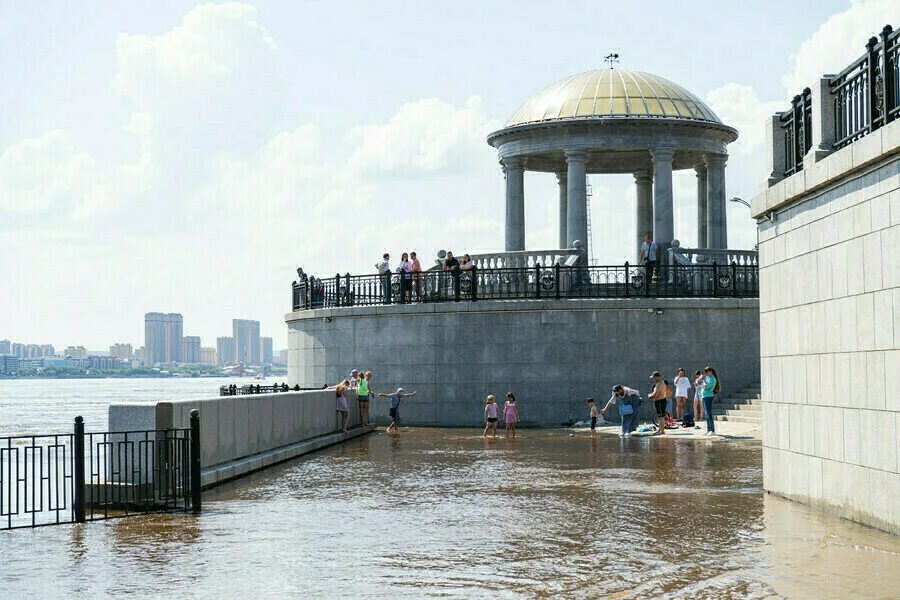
702	236
716	227
663	210
822	122
644	182
576	180
562	179
515	203
774	159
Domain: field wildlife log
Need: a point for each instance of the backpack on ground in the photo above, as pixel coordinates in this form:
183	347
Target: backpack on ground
687	420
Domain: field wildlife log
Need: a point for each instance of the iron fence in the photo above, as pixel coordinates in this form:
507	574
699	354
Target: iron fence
797	125
537	282
241	390
865	94
49	479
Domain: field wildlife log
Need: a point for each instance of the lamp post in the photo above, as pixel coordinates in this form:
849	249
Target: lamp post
740	201
747	204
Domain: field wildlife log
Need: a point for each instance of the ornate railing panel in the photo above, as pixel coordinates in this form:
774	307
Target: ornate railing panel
865	93
797	125
711	255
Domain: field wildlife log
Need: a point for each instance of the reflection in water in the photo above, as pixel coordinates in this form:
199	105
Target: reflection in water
445	512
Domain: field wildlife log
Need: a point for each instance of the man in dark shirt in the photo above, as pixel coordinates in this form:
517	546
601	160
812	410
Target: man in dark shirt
450	263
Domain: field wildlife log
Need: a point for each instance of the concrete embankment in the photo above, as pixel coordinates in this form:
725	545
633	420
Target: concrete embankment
242	434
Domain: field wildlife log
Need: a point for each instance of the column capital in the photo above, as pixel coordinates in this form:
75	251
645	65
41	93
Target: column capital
643	175
715	160
513	163
576	155
562	176
662	153
700	169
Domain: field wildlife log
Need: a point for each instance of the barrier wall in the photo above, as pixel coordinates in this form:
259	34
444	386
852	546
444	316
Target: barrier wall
240	434
551	353
829	254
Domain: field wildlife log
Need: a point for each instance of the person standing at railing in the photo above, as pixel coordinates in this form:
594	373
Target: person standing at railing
362	396
418	278
405	271
384	273
465	268
342	392
649	255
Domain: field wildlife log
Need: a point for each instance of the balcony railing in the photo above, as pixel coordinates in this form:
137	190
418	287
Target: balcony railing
554	282
797	125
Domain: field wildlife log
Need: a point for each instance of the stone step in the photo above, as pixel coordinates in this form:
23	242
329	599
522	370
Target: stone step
743	401
730	412
754	409
736	412
737	419
752	390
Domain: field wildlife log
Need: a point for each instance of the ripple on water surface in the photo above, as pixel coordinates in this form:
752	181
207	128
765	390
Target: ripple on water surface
433	512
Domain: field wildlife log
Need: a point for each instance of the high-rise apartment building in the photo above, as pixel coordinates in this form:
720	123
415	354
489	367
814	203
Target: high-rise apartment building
225	350
76	352
265	345
5	347
18	350
208	356
139	356
121	351
246	341
163	337
190	349
47	350
32	351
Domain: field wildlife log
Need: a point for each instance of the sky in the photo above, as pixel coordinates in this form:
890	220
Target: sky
187	157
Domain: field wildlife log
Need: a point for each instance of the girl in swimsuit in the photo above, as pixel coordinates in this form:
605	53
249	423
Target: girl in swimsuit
510	415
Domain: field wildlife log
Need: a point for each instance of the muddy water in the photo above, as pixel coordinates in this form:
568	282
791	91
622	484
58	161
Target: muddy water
441	513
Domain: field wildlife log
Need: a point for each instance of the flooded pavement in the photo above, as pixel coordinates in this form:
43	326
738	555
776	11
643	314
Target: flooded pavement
443	513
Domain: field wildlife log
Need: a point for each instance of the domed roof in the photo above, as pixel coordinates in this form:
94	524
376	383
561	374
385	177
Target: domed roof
609	93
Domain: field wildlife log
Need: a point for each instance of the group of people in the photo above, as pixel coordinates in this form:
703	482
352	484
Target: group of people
412	286
359	381
670	399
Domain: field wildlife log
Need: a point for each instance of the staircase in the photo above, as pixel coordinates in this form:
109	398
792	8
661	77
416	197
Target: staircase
739	407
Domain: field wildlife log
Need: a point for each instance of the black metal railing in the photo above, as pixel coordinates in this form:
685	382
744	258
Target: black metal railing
242	390
538	282
865	93
49	479
797	125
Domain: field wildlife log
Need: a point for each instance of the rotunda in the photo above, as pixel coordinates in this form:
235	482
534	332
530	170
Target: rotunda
616	121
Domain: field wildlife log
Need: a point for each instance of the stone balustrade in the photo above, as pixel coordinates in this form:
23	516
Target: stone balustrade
519	258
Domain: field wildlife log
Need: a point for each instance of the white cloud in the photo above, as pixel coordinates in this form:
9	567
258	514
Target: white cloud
426	136
838	41
44	173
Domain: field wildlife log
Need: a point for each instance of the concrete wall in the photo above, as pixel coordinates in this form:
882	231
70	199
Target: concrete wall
830	332
551	354
239	434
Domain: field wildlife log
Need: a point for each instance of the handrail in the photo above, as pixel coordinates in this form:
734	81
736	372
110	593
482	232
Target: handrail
738	278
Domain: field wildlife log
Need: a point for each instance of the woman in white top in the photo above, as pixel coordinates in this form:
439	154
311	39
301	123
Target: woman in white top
405	270
682	385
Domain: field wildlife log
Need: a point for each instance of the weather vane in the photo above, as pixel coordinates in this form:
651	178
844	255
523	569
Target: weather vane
612	59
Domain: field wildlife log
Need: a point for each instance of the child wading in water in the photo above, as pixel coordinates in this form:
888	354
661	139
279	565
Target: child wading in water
490	416
395	407
594	414
510	414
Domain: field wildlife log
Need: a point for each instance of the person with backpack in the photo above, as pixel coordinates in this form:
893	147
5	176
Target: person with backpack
710	389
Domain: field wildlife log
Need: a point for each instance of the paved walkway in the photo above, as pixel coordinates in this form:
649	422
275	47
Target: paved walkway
724	431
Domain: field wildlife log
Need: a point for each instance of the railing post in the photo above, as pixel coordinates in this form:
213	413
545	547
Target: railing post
78	503
872	100
474	283
887	76
349	299
556	274
337	289
455	275
734	278
195	460
627	279
537	280
715	267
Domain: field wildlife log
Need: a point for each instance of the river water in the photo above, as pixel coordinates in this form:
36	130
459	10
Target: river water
443	513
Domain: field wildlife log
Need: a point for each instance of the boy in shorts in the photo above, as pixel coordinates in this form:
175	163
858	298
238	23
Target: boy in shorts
594	414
